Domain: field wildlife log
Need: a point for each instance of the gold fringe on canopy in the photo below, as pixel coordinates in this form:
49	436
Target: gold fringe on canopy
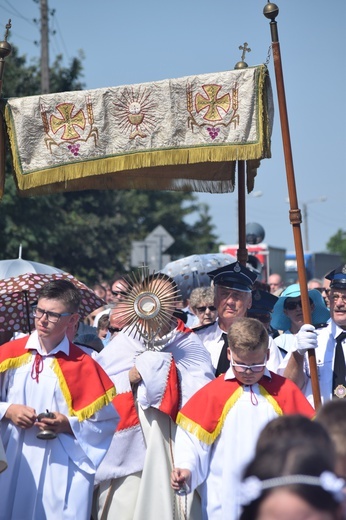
184	134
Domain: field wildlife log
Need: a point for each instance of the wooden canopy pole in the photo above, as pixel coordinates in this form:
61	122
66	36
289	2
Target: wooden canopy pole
271	11
5	50
242	250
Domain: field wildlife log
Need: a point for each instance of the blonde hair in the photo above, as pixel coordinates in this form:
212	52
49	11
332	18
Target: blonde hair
247	334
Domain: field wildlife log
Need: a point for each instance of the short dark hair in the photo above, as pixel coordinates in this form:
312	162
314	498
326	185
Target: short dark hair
63	290
293	430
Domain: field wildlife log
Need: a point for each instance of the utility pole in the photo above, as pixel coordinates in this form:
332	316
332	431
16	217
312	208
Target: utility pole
44	47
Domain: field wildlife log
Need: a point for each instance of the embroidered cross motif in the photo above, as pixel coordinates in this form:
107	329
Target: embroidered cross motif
68	121
212	103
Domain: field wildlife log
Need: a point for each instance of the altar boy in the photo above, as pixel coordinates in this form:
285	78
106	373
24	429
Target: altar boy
219	425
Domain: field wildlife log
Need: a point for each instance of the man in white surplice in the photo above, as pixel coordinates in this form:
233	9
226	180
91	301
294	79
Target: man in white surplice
52	478
134	478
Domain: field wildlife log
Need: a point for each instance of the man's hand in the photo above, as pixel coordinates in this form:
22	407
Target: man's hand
305	339
60	424
21	415
134	376
181	480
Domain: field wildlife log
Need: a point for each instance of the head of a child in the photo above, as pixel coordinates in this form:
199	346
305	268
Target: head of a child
332	416
248	349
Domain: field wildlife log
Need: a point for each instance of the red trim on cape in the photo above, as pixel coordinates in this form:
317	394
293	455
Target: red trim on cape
125	406
79	370
170	400
205	407
181	327
13	349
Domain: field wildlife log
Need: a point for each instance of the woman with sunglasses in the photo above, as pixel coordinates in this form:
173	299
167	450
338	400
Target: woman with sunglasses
288	315
202	304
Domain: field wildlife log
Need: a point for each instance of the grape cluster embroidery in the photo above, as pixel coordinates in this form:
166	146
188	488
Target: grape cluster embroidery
74	149
213	131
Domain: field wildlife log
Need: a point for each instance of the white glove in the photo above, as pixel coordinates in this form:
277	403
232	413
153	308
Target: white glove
305	339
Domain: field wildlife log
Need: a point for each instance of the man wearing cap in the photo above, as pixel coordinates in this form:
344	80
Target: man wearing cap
262	307
233	284
330	345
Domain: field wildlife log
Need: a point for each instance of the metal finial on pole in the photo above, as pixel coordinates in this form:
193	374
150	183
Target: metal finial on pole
271	11
242	64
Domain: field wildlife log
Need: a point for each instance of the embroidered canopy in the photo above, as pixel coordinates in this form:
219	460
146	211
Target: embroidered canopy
177	134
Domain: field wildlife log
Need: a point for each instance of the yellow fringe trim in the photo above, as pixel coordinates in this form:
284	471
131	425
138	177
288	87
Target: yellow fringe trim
16	362
133	165
89	410
202	434
271	400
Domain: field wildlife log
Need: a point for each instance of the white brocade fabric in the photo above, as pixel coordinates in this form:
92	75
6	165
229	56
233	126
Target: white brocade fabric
135	118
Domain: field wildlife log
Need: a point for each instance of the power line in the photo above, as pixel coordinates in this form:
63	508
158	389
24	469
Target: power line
58	31
14	12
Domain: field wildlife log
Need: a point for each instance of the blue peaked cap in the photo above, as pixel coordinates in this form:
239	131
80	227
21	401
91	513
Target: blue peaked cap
337	277
235	276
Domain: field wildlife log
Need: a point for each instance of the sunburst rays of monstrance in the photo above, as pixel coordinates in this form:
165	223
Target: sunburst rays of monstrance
147	309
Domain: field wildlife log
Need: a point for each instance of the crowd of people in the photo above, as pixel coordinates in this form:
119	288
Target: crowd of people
157	409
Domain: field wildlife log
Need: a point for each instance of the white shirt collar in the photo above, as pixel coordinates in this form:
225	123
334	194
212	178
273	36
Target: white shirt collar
34	343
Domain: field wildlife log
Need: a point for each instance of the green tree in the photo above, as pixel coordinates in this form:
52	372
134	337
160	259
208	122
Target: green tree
89	233
337	243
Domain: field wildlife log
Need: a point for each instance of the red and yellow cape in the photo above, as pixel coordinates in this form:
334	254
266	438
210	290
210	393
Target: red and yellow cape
84	384
205	413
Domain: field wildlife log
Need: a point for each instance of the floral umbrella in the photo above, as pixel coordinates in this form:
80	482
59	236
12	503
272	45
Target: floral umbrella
19	293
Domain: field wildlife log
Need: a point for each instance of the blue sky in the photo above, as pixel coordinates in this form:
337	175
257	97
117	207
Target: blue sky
136	42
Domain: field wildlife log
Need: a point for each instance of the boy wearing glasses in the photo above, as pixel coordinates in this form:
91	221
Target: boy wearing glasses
51	475
220	424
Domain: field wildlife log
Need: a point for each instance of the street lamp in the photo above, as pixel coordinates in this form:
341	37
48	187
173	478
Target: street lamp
305	218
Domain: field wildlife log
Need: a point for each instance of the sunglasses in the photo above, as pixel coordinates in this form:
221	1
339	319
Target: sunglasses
243	368
204	308
291	306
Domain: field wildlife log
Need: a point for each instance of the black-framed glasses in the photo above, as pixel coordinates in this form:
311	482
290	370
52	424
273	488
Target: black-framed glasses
243	368
212	308
291	306
53	317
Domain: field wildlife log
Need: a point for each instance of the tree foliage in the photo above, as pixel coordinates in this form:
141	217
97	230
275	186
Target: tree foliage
89	233
337	243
